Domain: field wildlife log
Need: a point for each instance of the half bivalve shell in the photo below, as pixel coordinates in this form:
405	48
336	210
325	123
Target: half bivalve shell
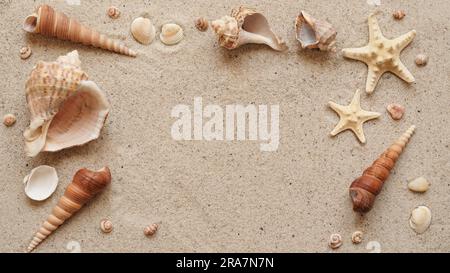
143	30
419	184
420	219
171	34
41	182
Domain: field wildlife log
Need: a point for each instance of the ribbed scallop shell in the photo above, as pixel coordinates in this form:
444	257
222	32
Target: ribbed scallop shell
66	109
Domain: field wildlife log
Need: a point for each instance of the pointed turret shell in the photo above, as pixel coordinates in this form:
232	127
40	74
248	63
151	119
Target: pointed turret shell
52	23
66	109
315	33
246	26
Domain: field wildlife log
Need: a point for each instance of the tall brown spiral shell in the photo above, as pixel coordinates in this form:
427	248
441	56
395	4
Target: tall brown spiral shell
51	23
364	189
85	185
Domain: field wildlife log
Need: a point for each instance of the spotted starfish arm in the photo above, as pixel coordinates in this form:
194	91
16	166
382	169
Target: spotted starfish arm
404	40
373	76
403	73
359	53
374	29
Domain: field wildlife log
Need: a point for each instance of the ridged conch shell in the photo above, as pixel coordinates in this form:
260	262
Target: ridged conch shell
246	26
171	34
41	182
49	22
315	33
143	30
66	109
420	219
84	186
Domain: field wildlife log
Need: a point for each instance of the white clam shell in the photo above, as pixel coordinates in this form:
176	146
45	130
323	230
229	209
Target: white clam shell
420	219
143	30
419	184
171	34
41	182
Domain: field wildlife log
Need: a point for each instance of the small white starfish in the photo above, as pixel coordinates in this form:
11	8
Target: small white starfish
352	117
382	55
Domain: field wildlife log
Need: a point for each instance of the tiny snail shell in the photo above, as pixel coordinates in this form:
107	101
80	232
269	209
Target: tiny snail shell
357	237
150	230
9	120
106	226
25	52
335	241
421	59
113	12
201	24
399	14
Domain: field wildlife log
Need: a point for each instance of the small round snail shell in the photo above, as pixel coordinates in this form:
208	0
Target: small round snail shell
25	52
399	14
9	120
421	59
150	230
357	237
335	241
113	12
201	24
106	226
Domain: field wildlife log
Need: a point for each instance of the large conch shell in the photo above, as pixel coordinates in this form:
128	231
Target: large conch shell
246	26
315	33
365	188
66	109
84	186
46	21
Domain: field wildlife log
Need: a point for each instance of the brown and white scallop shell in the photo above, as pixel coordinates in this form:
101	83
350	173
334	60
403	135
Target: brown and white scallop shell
66	108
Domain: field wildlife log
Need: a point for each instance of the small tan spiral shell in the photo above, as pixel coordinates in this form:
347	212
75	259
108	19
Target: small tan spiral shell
9	120
106	226
113	12
150	230
357	237
25	52
201	24
335	241
399	14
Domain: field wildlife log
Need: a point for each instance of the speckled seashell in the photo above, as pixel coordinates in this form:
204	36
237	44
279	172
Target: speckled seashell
201	24
419	184
335	241
106	226
150	230
171	34
246	26
66	108
143	30
25	52
420	219
395	110
399	14
113	12
9	120
421	59
314	33
357	237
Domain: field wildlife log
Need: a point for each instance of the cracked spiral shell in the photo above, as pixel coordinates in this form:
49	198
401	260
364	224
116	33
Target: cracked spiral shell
364	189
51	23
85	185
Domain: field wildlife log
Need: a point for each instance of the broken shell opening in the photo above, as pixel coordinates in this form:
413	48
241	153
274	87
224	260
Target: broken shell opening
41	183
30	23
79	120
307	35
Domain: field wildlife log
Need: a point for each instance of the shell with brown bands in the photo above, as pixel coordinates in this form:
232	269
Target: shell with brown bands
51	23
364	189
85	185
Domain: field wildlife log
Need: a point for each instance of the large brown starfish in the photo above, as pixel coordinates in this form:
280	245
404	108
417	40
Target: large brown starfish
382	55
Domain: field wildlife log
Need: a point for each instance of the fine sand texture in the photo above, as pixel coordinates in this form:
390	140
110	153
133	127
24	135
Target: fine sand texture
228	196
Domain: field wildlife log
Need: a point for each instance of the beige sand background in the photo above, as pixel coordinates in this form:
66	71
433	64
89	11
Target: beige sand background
229	196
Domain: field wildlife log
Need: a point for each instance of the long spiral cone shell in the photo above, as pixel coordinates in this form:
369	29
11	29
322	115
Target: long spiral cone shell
365	188
84	186
49	22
